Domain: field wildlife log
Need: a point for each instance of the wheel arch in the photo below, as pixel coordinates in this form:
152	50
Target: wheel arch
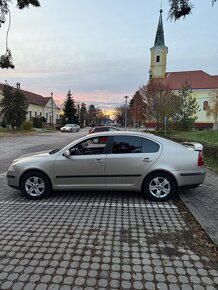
160	171
35	170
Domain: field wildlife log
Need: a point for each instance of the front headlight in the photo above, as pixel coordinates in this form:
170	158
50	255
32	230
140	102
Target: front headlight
11	167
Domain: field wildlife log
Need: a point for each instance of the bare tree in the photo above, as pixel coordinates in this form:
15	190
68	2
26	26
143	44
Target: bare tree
181	8
212	110
120	114
161	102
6	60
137	109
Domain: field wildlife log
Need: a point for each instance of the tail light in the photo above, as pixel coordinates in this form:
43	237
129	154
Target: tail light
200	158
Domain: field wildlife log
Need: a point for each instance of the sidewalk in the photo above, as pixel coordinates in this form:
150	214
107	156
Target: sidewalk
203	204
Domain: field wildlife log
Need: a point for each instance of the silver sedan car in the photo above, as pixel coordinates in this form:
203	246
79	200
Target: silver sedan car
118	160
70	128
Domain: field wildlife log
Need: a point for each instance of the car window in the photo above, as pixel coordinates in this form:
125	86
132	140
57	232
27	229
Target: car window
95	145
101	129
149	146
126	144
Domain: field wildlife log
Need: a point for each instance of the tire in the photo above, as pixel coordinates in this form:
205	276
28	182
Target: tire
35	185
159	186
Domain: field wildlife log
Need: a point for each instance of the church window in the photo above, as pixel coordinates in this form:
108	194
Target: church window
158	58
205	105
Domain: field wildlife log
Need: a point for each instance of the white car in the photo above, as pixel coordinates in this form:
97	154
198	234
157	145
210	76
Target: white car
70	128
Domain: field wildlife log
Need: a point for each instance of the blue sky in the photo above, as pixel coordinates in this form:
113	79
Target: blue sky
100	49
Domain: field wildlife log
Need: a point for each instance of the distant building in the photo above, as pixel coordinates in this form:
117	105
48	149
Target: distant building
39	106
202	84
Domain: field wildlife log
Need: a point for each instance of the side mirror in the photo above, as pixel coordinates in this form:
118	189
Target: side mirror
66	153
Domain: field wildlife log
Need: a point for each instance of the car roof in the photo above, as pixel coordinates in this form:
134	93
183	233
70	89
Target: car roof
103	127
139	134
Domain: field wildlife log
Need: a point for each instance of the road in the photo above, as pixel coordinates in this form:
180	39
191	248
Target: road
95	240
13	147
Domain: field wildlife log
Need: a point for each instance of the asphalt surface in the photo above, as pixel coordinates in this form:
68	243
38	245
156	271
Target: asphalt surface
99	240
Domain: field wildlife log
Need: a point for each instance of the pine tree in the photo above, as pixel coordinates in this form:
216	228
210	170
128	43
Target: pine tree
14	107
189	108
70	110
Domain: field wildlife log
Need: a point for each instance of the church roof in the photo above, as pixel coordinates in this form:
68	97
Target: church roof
198	79
32	98
159	39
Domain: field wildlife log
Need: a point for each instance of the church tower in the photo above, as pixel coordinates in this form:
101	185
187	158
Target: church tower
158	53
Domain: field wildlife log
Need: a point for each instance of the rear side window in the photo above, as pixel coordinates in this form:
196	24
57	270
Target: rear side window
101	129
149	146
126	144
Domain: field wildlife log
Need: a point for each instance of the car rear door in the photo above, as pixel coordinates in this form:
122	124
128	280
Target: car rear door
130	158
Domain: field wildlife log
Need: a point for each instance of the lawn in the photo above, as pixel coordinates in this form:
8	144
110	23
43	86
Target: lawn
205	137
5	132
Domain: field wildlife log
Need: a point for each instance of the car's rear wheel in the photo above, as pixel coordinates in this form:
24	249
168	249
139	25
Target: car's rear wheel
35	185
159	186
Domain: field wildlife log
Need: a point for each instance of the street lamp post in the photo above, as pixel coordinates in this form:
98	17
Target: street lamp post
52	110
126	97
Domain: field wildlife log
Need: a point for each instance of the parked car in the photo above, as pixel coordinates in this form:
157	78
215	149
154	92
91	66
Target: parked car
99	129
70	128
117	160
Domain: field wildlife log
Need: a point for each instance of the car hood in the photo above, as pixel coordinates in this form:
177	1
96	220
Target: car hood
40	154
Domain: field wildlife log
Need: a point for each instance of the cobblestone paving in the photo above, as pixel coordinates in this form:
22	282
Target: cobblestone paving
93	241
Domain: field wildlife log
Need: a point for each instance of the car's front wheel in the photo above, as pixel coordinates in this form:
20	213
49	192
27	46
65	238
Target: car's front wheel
159	186
35	185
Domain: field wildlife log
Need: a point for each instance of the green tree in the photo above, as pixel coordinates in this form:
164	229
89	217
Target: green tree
14	107
187	115
70	110
83	115
212	109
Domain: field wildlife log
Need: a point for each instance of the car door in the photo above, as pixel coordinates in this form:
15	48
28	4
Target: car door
84	167
130	158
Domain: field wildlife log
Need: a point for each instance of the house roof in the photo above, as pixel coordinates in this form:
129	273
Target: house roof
32	98
197	79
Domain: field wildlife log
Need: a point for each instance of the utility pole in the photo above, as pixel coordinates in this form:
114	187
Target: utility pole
126	97
52	110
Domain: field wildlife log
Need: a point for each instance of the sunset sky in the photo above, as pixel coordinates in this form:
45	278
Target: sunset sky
100	49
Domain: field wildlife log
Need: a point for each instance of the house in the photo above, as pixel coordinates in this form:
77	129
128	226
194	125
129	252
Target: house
202	84
39	106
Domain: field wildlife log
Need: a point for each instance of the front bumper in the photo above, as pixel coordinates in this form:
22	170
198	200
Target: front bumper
12	180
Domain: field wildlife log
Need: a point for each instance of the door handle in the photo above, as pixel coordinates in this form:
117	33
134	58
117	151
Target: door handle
98	161
147	159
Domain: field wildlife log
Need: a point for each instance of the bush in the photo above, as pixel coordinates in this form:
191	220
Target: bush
36	122
27	125
4	124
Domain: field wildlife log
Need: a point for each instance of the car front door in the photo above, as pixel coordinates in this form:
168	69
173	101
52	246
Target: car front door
84	166
130	158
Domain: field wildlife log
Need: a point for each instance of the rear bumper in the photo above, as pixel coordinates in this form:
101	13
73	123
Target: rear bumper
191	178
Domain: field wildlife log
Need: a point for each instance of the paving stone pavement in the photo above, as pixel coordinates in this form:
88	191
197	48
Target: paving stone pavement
95	240
203	204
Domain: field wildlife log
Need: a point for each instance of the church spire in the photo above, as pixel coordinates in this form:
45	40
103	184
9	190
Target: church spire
159	39
158	53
